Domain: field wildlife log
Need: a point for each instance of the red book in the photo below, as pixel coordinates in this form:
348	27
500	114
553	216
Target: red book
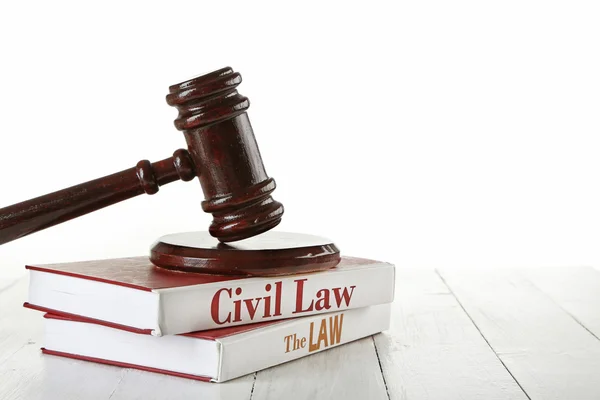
216	355
133	293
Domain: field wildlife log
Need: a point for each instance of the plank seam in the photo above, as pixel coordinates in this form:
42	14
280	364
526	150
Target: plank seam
481	333
253	383
558	305
125	371
387	391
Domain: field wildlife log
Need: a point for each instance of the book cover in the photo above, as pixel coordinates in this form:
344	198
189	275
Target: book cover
133	293
216	355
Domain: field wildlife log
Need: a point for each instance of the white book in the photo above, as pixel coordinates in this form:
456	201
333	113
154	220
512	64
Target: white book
218	355
133	293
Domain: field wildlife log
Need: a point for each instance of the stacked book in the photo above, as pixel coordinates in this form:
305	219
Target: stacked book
129	313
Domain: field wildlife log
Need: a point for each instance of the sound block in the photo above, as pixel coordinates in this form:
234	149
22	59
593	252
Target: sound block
271	253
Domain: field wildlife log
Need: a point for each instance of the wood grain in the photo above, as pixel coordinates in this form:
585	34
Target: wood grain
347	372
575	289
433	350
546	350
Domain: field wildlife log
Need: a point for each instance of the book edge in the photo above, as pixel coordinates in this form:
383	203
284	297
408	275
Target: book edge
126	365
79	318
87	277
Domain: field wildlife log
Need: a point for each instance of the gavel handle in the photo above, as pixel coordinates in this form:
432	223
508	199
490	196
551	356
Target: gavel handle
43	212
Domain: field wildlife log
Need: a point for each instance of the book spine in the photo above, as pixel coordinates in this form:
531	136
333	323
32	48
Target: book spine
298	338
244	301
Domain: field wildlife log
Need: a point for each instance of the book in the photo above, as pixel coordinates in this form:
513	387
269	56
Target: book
135	294
215	355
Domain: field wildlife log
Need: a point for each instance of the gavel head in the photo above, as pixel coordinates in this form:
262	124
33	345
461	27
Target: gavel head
221	142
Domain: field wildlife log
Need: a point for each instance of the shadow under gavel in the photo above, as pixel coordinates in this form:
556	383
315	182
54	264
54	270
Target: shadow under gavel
222	152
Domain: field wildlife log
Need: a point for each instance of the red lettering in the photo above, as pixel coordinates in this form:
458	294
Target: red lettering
237	311
277	299
237	307
299	295
214	307
323	300
267	307
345	295
251	307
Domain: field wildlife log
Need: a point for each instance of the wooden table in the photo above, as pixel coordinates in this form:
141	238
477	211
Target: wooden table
477	334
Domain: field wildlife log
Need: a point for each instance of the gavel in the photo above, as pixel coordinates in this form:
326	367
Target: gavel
222	152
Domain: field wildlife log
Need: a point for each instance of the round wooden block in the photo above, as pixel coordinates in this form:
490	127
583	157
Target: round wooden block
268	254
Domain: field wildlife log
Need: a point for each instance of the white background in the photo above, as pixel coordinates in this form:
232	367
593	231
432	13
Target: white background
429	133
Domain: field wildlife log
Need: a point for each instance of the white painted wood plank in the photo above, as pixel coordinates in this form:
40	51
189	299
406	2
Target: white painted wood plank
546	350
433	350
350	371
148	386
575	289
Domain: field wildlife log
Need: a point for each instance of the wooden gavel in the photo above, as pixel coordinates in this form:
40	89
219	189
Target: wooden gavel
222	152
